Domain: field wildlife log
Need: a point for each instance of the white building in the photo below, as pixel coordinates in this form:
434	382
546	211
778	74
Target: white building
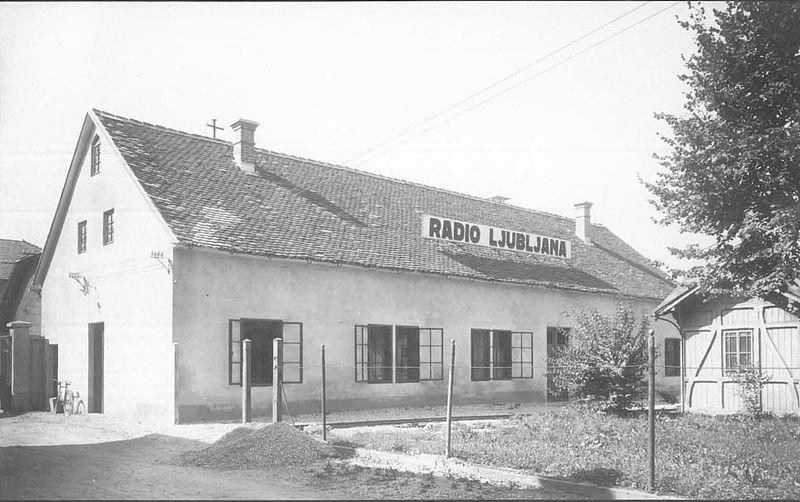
168	248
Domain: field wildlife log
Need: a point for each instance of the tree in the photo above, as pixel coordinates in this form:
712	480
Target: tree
733	167
605	360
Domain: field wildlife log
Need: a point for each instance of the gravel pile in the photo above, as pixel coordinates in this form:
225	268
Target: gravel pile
274	445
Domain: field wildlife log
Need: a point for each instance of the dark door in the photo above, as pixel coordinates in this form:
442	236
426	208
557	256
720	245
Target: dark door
95	387
261	332
556	339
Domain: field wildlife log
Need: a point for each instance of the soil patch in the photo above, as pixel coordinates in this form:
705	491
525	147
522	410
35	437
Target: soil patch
271	446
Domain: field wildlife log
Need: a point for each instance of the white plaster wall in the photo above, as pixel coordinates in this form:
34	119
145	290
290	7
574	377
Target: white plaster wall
212	287
130	292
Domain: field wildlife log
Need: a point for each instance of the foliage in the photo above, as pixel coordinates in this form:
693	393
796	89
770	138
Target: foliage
750	381
697	456
668	396
733	167
605	360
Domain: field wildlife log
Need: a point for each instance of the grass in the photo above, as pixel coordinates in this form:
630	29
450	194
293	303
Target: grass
696	456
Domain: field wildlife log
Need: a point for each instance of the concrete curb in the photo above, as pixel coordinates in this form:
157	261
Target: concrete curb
400	421
441	466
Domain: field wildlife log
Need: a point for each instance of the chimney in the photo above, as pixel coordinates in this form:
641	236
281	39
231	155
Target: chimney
245	144
583	221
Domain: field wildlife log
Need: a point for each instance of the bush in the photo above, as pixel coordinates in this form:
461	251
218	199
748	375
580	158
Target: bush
605	360
750	382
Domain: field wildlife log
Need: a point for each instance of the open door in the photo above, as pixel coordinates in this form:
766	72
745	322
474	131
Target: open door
95	387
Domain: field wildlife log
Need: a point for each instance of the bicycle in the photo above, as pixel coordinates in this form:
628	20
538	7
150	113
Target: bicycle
66	401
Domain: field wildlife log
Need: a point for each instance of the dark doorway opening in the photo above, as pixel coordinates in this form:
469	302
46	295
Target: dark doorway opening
261	332
96	353
557	338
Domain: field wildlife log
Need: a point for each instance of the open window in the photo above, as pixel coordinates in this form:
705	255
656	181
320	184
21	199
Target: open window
385	353
262	333
501	354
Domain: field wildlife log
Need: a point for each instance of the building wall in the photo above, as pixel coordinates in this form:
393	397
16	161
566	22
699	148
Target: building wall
708	387
130	292
211	288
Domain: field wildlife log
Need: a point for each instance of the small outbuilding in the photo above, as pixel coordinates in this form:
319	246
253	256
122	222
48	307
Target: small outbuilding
722	337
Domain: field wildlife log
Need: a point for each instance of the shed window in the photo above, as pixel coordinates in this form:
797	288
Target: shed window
95	157
82	237
738	349
262	333
108	227
417	353
672	357
501	354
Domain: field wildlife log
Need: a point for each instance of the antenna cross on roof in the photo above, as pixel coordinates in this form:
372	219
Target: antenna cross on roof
214	128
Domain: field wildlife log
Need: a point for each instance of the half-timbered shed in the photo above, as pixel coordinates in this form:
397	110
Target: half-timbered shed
168	249
723	337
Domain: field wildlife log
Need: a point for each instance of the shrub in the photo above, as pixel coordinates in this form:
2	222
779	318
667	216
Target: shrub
604	362
750	382
668	396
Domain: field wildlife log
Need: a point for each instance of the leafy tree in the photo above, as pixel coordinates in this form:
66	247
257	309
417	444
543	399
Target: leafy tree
733	167
605	360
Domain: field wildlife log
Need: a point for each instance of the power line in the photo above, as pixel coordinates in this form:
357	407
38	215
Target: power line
507	89
498	82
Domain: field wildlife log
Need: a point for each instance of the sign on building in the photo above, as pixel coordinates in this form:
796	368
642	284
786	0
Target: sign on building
436	227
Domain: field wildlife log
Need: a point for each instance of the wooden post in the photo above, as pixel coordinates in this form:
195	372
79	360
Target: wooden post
324	411
277	379
450	396
247	377
651	411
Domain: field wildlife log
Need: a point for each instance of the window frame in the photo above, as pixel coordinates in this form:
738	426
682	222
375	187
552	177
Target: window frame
94	157
235	376
491	371
108	227
739	334
672	370
82	236
361	365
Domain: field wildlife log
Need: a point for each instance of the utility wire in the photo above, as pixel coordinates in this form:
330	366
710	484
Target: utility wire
496	83
497	94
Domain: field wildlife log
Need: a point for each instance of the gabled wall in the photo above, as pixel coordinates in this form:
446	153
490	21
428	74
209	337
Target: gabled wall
128	291
213	287
776	350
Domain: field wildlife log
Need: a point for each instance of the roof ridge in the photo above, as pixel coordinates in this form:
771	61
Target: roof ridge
412	183
157	126
338	166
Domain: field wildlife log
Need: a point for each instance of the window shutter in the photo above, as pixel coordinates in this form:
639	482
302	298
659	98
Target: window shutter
521	355
361	339
234	352
292	352
430	353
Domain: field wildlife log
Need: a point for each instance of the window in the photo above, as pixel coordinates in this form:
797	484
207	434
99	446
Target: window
738	349
261	333
501	354
82	237
108	227
417	354
672	357
95	157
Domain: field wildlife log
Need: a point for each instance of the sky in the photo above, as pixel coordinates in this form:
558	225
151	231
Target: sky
329	81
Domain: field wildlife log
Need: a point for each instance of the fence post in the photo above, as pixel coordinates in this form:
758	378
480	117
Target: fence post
651	408
450	395
324	411
277	379
247	359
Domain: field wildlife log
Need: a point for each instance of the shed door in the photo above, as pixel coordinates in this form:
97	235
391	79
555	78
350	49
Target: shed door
703	370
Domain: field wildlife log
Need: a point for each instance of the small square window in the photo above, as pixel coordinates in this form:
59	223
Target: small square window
95	156
108	227
738	349
82	237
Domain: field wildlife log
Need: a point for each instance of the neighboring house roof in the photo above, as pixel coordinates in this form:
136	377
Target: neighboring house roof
12	251
304	209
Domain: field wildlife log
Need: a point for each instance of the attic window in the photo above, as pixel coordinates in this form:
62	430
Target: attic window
108	227
82	237
95	156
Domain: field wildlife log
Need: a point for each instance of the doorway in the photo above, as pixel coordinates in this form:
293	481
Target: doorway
557	338
96	352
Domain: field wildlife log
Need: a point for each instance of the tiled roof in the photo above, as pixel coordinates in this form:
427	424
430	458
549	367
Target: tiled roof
304	209
12	251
